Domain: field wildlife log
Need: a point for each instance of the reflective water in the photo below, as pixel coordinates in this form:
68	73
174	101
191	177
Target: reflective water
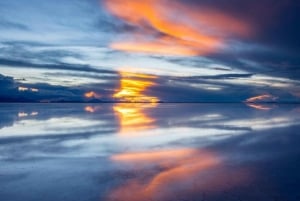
136	152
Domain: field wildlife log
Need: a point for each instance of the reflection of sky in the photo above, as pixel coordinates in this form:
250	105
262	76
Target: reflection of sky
66	49
186	150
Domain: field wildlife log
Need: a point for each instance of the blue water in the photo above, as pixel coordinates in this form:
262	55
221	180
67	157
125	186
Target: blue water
160	152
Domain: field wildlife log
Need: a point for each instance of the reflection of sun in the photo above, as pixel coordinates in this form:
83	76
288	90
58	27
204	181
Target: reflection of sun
133	117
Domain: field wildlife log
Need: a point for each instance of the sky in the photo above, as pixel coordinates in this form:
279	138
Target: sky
149	51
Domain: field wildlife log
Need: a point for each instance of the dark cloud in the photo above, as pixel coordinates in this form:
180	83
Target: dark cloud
61	66
44	92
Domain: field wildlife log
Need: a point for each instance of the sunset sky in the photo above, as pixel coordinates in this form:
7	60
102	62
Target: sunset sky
149	50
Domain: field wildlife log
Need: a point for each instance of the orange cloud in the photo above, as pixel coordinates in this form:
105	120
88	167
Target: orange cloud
197	31
265	97
91	94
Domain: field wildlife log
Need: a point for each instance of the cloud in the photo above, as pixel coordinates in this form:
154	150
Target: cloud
20	91
199	31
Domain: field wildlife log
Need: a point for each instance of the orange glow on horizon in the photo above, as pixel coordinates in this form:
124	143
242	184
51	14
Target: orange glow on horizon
91	94
261	98
198	31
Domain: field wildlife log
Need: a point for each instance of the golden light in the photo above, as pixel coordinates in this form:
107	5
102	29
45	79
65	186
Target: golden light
133	118
133	87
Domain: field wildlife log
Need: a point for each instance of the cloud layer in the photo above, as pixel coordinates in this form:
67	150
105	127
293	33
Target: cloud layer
198	50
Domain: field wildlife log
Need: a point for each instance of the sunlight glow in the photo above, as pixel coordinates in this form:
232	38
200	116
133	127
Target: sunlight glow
133	88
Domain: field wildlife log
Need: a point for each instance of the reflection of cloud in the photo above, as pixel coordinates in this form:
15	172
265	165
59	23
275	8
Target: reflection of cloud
158	172
260	106
154	156
198	31
22	114
92	109
25	114
184	172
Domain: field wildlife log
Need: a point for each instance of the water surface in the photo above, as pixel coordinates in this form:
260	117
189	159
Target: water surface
163	152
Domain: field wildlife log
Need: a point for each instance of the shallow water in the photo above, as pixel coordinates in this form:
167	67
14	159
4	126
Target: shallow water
163	152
